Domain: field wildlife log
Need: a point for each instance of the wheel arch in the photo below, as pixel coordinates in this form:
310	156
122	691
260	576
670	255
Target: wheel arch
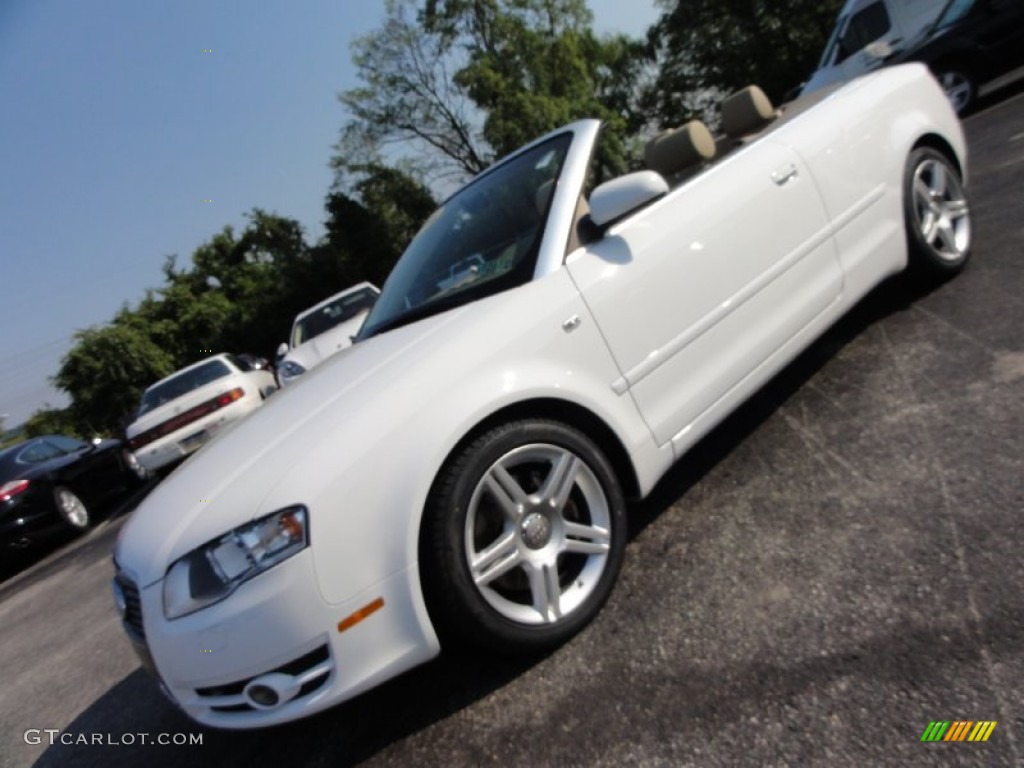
939	144
565	411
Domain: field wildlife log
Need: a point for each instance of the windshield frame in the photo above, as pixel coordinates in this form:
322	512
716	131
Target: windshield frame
482	240
553	234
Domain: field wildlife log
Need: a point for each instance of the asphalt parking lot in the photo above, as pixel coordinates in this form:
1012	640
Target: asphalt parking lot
838	565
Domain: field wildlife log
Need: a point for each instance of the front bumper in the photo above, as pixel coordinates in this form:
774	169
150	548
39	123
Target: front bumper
276	631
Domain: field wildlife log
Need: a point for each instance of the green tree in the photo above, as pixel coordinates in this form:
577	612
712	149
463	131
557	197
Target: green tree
239	294
709	48
472	80
53	421
105	373
367	230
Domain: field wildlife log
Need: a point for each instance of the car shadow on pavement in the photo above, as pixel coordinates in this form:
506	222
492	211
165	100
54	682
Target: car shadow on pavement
126	723
132	716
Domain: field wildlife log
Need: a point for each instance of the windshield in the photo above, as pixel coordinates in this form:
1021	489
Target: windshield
182	384
326	317
482	241
955	11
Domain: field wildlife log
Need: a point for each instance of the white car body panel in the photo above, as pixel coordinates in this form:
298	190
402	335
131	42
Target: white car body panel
686	299
188	438
657	330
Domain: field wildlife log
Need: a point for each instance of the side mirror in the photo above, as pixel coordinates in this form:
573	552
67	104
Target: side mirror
282	350
619	197
879	50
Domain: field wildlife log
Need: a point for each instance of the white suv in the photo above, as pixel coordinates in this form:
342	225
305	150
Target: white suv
864	23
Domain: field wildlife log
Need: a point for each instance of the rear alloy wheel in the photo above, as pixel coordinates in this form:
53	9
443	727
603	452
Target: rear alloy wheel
960	88
524	537
71	509
938	215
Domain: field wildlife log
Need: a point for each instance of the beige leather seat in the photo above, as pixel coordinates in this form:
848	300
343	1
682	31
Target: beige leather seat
677	153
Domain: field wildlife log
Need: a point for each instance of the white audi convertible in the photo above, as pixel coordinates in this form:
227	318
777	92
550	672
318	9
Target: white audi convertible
548	345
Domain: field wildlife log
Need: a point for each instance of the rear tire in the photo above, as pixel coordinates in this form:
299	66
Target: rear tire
960	87
937	215
523	538
71	509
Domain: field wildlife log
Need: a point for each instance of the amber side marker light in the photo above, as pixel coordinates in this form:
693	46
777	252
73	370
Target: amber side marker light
365	612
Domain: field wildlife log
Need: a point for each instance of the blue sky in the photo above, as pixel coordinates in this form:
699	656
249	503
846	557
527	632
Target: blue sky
116	125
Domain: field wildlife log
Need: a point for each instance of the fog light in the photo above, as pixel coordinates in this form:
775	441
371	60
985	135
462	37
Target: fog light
273	690
263	695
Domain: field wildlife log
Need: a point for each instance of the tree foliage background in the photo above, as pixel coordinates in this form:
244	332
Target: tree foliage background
240	294
448	86
707	49
464	82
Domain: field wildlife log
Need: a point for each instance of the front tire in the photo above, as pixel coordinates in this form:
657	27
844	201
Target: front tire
937	215
71	509
523	537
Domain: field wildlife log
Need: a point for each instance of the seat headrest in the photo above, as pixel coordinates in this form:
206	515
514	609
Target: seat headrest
674	150
746	112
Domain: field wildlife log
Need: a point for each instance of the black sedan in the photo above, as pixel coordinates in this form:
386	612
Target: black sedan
970	43
48	484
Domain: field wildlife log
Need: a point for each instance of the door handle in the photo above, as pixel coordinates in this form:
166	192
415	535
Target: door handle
785	174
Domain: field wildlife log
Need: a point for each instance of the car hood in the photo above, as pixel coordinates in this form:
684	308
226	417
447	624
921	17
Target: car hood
225	484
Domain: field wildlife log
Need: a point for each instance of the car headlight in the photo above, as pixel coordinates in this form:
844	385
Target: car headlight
210	573
288	371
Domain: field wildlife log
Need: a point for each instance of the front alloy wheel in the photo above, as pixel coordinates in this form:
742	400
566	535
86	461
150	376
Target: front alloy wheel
525	537
938	215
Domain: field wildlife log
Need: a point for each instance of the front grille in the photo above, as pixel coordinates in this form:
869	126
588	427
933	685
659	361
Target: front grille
313	669
133	608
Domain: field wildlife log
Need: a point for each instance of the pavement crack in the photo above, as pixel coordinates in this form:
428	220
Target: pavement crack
821	449
974	619
956	329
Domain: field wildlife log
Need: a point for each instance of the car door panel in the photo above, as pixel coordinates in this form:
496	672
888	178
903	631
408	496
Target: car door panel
693	293
83	472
